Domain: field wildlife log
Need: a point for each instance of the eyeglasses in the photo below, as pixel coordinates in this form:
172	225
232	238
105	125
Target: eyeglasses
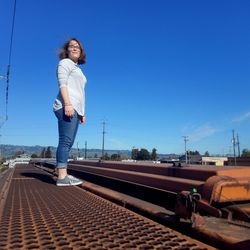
74	47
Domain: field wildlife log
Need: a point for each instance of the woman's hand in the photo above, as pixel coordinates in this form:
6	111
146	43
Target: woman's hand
82	119
68	110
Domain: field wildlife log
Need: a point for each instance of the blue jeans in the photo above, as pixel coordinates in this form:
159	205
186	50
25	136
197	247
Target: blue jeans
67	129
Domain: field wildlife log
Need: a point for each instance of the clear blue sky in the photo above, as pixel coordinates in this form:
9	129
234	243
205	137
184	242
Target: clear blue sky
157	70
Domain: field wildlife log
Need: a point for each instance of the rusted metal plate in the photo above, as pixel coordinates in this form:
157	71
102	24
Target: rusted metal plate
226	189
215	184
194	172
167	183
240	212
39	215
233	235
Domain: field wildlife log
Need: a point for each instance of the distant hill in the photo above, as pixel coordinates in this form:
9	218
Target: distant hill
9	151
13	150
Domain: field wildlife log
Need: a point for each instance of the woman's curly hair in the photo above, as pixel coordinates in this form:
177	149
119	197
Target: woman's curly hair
64	51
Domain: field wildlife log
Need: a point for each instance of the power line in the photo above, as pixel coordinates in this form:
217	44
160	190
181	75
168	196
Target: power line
9	62
12	31
103	135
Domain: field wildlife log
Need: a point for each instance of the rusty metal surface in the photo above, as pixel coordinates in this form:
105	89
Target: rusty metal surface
200	173
168	183
5	180
206	231
162	190
215	184
234	235
226	189
194	172
39	215
240	212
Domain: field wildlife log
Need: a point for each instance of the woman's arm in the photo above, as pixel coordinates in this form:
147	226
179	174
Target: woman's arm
63	72
68	108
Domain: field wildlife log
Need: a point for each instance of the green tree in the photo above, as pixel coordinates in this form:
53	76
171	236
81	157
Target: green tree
153	154
245	152
143	154
105	157
48	153
42	155
115	157
193	152
207	154
134	153
34	156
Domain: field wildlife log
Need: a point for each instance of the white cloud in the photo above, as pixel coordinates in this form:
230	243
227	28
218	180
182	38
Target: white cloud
201	133
242	118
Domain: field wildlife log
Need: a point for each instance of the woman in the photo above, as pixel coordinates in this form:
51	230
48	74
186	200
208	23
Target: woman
69	106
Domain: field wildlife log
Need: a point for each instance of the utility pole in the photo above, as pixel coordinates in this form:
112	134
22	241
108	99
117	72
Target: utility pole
103	134
85	151
238	145
185	141
78	151
234	143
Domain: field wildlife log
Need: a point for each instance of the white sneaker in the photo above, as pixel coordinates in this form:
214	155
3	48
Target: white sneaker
69	180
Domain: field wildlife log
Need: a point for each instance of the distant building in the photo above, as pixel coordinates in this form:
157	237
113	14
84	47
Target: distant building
22	159
191	159
217	161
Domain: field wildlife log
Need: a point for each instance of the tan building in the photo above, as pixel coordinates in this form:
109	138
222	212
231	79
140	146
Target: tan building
217	161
